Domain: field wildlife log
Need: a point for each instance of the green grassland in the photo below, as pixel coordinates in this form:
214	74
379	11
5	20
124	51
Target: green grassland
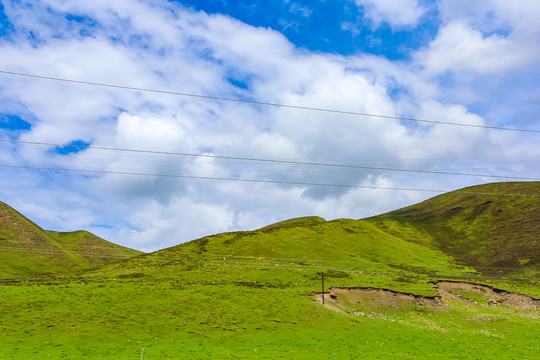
256	294
116	320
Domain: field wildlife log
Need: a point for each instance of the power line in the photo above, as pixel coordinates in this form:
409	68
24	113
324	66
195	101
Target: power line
61	245
498	159
169	157
221	263
288	162
258	181
292	267
240	283
296	267
190	257
289	106
59	250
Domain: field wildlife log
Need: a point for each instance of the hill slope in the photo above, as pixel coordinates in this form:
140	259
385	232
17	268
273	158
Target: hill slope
479	229
471	230
28	250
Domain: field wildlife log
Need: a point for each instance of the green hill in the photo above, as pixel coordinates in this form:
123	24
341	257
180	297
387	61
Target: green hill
481	230
487	233
27	250
490	232
301	221
399	285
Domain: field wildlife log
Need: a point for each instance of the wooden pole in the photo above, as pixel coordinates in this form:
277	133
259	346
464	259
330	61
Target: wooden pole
322	281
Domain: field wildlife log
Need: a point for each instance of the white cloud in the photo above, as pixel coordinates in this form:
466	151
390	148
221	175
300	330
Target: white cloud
170	224
441	140
160	134
519	16
484	37
459	48
299	9
397	13
165	46
485	52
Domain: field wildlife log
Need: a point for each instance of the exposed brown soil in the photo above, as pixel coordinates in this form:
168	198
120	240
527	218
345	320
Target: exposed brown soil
377	298
373	301
492	296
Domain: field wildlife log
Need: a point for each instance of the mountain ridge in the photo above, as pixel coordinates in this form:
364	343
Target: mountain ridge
28	250
461	228
471	228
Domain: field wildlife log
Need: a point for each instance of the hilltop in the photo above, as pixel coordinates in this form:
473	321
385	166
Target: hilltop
28	250
482	229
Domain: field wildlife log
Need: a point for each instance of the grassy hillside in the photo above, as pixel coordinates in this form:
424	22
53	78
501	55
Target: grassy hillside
301	221
256	295
93	249
489	232
28	250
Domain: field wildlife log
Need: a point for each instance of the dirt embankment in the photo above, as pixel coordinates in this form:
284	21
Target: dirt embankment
375	300
487	295
378	298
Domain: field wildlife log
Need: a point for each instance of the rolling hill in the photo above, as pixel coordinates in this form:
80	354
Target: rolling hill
27	250
398	285
492	228
475	226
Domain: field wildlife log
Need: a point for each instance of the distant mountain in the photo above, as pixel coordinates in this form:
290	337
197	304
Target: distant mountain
28	250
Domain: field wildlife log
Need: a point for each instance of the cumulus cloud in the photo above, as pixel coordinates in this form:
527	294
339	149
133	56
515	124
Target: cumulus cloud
441	140
493	15
458	47
485	52
161	45
396	13
179	219
488	36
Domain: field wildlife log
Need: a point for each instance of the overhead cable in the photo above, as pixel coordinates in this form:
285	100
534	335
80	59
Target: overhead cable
289	106
287	162
191	256
260	181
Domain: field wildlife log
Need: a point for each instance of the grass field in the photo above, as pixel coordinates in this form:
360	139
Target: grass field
256	295
116	319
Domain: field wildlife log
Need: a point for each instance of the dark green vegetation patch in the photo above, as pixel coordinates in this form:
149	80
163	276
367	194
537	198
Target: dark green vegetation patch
490	232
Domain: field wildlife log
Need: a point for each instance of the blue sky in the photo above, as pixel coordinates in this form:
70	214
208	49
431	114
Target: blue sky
330	26
449	61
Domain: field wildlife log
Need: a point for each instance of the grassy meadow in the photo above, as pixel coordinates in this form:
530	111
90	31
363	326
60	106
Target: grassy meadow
257	294
212	312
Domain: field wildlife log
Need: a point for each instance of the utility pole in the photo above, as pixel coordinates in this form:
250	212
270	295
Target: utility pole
322	281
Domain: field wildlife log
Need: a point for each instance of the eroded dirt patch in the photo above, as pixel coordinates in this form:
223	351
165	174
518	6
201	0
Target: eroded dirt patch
369	301
487	295
376	299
